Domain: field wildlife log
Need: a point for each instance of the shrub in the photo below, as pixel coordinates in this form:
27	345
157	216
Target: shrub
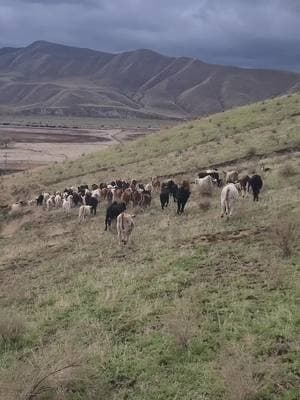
240	374
284	234
204	204
251	151
180	324
287	170
12	327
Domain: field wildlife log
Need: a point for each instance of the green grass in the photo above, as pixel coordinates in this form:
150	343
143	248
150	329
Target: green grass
194	308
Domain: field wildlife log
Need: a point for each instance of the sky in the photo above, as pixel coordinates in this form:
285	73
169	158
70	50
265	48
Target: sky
247	33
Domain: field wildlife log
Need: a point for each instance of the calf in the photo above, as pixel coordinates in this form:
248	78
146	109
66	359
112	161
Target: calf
256	183
113	211
229	196
125	226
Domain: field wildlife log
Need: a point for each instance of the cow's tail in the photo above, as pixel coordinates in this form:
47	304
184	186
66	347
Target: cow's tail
227	200
122	221
106	221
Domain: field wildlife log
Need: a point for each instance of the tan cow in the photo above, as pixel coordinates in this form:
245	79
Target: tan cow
229	197
231	176
125	226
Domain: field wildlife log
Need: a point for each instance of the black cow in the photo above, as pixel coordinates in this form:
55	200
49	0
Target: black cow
39	200
183	195
113	211
173	189
91	201
244	181
164	196
77	198
256	183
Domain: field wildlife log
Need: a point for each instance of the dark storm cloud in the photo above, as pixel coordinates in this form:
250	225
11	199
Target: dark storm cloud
256	33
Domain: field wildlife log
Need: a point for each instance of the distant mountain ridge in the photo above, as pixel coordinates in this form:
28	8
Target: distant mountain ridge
48	78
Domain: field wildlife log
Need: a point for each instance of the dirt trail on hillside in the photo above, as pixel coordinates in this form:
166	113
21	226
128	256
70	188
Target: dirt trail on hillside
223	236
224	164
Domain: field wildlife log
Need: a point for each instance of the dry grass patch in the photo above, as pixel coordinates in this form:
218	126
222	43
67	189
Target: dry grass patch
52	375
243	377
12	327
181	324
284	234
287	170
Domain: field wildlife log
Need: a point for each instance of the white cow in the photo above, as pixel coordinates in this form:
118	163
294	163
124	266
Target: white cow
125	226
97	193
84	211
229	197
68	203
58	201
50	203
17	207
205	185
46	196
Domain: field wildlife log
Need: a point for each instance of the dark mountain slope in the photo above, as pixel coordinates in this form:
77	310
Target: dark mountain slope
51	78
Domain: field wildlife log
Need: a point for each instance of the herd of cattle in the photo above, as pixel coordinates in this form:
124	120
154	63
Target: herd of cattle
120	193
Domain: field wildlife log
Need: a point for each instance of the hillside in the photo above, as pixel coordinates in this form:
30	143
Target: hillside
195	307
51	79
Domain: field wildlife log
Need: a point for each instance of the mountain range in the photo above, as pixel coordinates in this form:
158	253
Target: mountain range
52	79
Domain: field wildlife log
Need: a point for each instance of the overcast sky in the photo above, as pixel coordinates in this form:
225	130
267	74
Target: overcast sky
250	33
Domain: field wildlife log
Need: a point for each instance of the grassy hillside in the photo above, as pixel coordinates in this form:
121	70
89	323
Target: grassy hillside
194	308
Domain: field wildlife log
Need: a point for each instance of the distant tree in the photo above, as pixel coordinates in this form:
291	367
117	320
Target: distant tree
5	143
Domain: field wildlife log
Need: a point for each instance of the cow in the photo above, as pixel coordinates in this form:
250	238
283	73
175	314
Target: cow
213	173
183	195
84	211
126	196
173	189
231	176
17	207
146	199
40	200
229	196
255	183
149	187
205	185
164	196
50	203
58	200
112	212
92	201
155	183
136	198
67	203
244	184
125	226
